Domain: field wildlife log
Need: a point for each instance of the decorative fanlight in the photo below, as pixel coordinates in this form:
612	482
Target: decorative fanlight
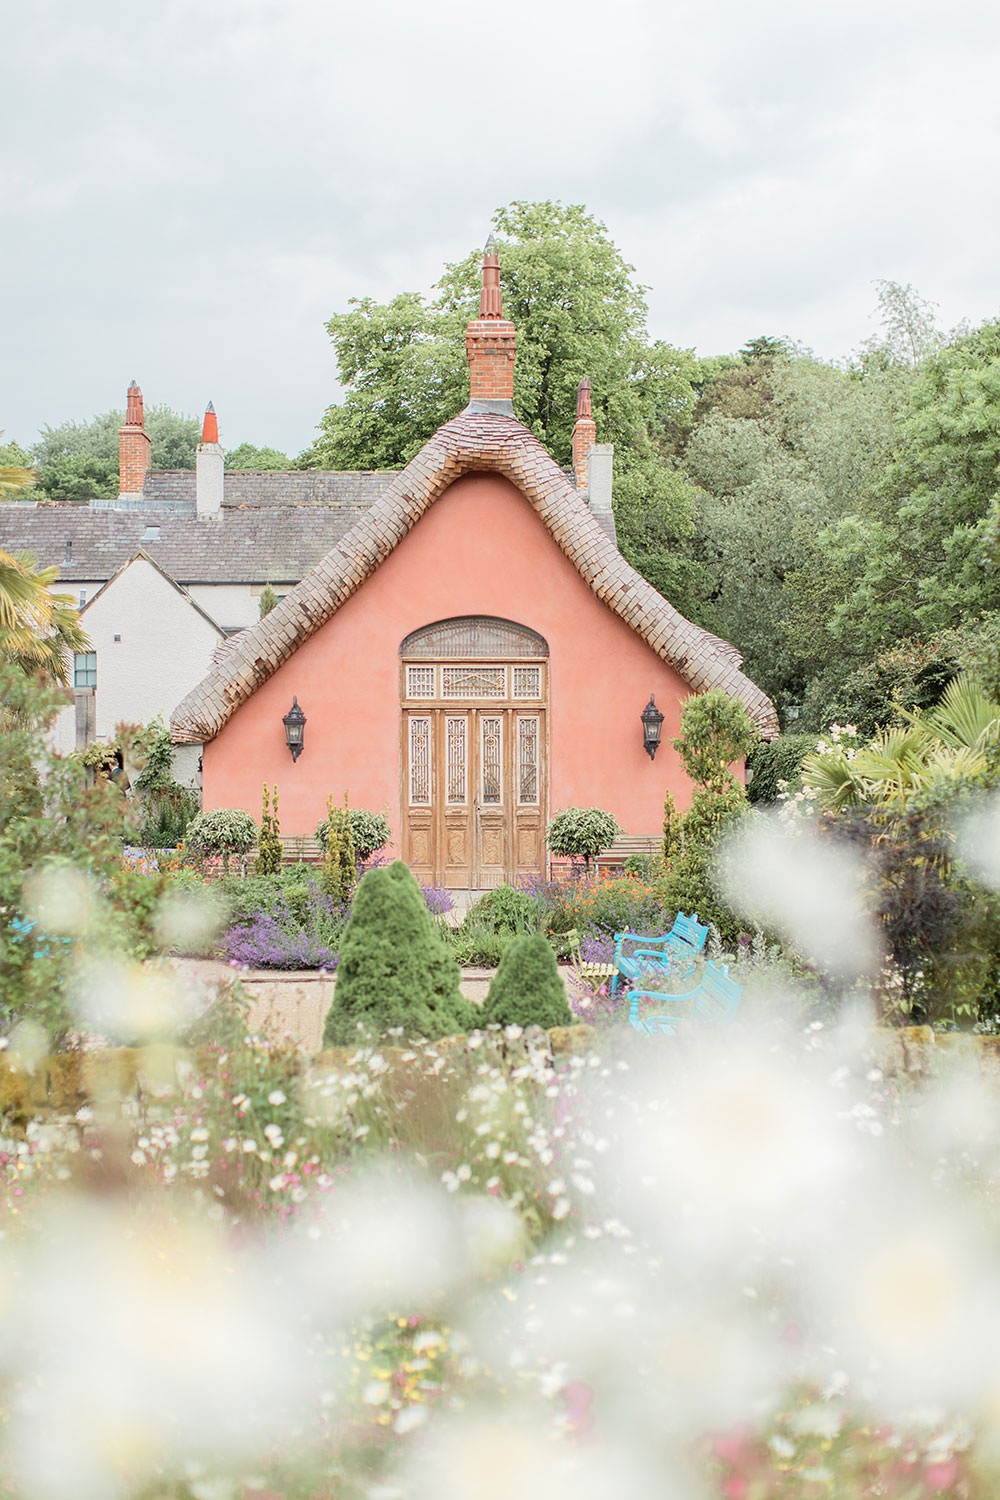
295	724
652	725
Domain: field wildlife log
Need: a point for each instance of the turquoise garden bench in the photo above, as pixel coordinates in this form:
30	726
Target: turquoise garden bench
655	957
714	999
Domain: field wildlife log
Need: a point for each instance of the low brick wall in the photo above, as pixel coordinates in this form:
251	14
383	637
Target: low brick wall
62	1083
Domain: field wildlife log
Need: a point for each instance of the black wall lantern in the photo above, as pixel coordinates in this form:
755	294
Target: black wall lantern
295	724
652	724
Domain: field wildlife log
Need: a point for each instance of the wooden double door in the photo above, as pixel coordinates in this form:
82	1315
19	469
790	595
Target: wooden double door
474	792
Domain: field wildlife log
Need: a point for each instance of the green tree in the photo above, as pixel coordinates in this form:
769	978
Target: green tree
930	553
716	732
395	967
339	869
269	849
78	461
526	989
581	833
778	536
53	816
579	312
909	327
39	628
246	456
222	831
16	472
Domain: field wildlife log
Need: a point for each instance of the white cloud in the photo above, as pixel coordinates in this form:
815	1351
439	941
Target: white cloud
194	191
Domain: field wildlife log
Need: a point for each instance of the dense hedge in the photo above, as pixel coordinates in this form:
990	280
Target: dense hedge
527	989
396	969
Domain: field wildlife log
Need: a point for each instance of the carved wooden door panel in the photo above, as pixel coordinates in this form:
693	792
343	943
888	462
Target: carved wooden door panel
474	774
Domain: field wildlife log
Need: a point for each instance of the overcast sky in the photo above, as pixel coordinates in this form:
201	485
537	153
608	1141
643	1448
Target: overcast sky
191	188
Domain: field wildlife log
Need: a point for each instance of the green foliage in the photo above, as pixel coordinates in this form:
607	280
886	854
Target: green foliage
370	832
716	731
166	817
395	967
689	884
269	849
933	753
222	831
786	453
908	675
50	816
476	940
508	910
941	930
287	889
78	461
931	559
246	456
77	478
775	764
163	809
578	311
14	457
267	600
671	818
581	832
339	869
157	773
526	989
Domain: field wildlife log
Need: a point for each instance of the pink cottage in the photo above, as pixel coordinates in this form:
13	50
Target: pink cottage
474	655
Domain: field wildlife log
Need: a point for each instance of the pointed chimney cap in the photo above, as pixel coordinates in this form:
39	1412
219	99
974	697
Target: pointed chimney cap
490	298
210	426
133	407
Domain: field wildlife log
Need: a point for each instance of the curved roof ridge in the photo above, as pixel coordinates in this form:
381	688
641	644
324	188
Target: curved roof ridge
470	441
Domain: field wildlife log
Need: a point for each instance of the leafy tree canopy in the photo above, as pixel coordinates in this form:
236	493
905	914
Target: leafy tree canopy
78	461
578	311
246	456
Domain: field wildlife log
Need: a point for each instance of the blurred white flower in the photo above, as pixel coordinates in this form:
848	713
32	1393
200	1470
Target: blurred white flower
806	888
494	1455
145	1342
188	920
978	843
910	1296
130	1002
61	900
739	1136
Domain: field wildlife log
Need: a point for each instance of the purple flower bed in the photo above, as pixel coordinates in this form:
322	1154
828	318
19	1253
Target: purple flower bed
267	943
437	900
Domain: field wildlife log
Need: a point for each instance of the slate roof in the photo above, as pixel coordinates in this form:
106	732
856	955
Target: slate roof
276	544
472	441
323	489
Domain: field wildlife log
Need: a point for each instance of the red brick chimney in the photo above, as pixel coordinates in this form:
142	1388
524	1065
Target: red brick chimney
133	446
584	434
489	344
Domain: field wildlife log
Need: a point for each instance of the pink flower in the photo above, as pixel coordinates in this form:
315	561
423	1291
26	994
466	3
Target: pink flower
941	1476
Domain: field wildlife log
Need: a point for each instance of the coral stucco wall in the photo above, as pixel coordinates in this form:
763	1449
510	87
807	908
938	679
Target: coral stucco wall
480	549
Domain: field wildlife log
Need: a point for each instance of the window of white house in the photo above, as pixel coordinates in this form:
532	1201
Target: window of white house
85	669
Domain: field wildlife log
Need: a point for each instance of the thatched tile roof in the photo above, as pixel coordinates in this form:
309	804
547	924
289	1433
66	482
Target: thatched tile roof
472	441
